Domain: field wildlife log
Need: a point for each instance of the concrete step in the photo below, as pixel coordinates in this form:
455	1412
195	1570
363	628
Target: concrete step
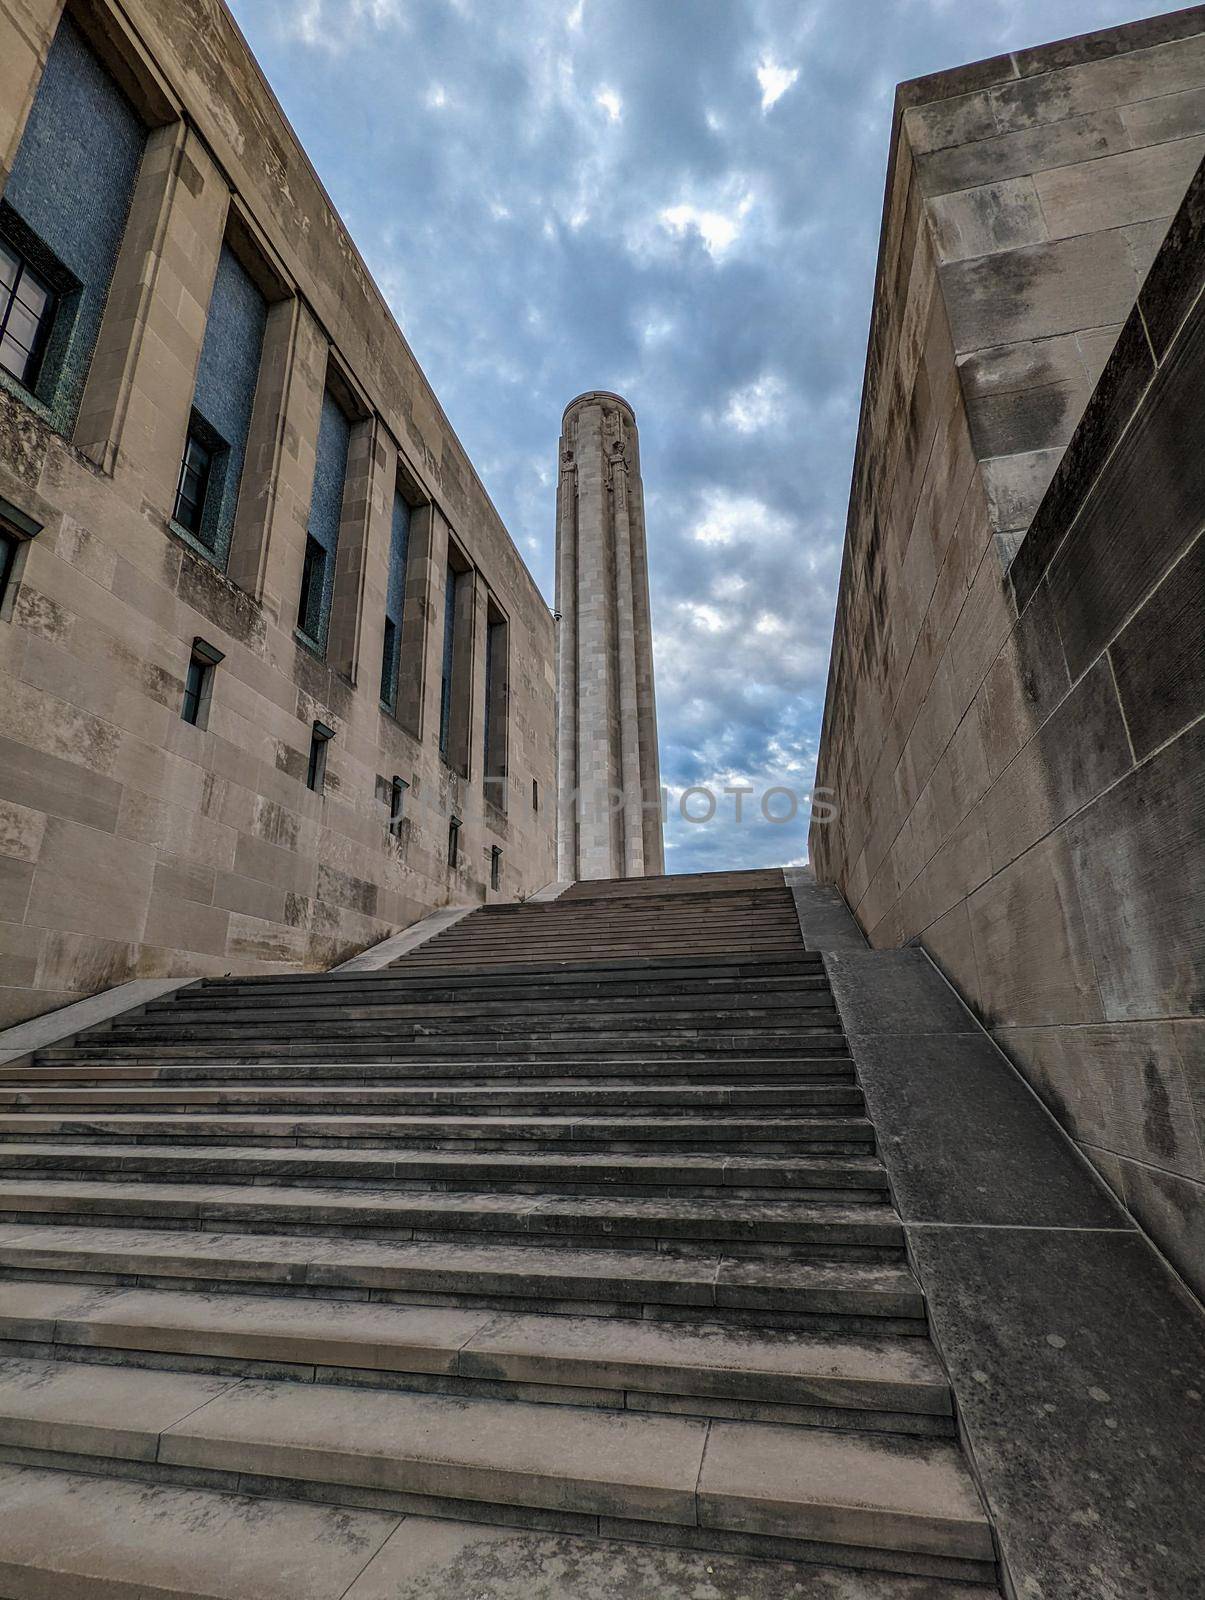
393	984
866	1230
850	1297
70	1536
817	1175
516	959
833	1066
622	1132
527	1000
780	1006
584	1050
572	969
726	1031
454	1455
706	1368
823	1100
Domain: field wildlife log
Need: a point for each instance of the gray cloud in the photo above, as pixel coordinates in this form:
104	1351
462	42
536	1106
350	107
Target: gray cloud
677	199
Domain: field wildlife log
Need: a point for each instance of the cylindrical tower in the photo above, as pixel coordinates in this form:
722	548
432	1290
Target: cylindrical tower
609	816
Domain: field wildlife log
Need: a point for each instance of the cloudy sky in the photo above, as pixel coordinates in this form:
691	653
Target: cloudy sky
678	200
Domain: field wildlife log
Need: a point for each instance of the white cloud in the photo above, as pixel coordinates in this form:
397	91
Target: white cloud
705	617
758	405
774	81
315	24
737	519
718	228
609	102
436	97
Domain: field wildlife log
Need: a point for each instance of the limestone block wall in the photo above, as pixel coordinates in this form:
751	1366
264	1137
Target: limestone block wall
133	844
1014	774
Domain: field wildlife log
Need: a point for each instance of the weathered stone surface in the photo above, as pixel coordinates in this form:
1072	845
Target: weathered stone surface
967	1143
428	1560
1158	659
1077	1367
78	1537
1138	864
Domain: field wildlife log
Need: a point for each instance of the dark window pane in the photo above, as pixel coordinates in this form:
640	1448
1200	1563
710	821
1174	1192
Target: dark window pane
389	665
189	509
8	554
397	805
309	602
26	312
194	684
315	775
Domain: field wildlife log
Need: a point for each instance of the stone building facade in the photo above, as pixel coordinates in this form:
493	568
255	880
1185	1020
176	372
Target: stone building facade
1012	728
609	784
274	680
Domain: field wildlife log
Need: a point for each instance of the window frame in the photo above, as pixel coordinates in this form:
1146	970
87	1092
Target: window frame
202	661
10	295
315	772
398	790
455	824
17	530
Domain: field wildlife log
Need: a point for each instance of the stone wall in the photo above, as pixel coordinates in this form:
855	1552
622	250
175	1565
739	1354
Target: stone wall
1010	720
131	843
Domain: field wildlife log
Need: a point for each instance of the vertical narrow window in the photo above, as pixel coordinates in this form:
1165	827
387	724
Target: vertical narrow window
397	805
449	657
26	312
496	639
320	737
453	841
395	599
216	446
8	556
535	794
495	867
322	529
193	483
198	683
63	217
16	529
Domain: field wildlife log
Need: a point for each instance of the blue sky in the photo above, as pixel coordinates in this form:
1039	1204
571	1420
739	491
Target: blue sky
678	200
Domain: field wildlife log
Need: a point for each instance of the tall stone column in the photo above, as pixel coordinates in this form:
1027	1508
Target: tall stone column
609	818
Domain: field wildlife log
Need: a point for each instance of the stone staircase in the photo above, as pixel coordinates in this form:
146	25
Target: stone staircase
571	1221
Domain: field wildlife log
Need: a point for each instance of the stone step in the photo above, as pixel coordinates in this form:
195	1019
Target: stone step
822	1100
865	1229
678	973
589	997
509	954
618	1077
622	1048
780	1006
795	1292
453	1455
833	1133
385	988
837	1176
834	1067
725	1031
571	1360
70	1536
514	957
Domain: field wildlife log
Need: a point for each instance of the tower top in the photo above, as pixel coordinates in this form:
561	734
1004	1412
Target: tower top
593	395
